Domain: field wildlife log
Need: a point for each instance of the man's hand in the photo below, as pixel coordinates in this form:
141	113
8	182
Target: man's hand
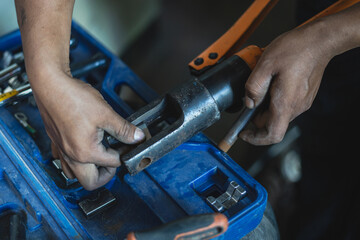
291	69
293	64
75	116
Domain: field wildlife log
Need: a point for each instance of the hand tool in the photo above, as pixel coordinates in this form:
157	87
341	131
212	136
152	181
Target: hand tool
233	194
8	58
178	115
81	69
197	227
78	70
22	118
66	182
5	60
15	95
218	85
16	82
246	114
100	200
9	72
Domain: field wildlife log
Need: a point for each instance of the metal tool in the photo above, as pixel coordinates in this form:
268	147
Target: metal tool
22	118
9	72
94	205
78	70
246	114
68	181
15	95
233	134
15	82
219	86
5	60
228	199
197	227
192	107
187	110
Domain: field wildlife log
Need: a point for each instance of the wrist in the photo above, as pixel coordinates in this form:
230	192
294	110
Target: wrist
48	78
339	32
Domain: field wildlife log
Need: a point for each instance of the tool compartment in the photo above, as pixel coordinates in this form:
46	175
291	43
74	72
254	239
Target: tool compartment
35	191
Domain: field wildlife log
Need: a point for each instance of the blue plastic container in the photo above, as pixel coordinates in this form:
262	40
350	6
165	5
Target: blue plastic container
175	186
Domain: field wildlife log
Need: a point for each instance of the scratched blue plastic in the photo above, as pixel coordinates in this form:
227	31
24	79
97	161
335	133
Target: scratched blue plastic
173	187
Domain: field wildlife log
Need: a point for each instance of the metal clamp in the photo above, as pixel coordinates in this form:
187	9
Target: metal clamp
68	181
228	199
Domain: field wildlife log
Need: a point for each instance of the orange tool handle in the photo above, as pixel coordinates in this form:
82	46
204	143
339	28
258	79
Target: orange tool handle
197	227
243	28
251	54
228	43
334	8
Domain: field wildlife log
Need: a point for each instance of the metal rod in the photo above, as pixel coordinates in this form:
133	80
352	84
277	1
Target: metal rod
233	134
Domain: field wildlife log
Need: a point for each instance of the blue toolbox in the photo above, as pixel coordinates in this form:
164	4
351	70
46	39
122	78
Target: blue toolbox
38	201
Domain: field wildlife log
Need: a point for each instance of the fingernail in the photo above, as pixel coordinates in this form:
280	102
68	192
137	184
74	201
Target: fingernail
138	135
249	102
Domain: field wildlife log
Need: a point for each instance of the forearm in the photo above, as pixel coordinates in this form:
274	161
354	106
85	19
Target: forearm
45	27
339	32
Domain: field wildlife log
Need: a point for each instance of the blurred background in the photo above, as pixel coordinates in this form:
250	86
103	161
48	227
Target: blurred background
157	39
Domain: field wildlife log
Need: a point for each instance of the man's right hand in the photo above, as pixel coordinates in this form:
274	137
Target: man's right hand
75	117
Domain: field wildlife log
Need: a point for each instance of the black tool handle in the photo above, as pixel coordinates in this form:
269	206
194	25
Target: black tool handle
197	227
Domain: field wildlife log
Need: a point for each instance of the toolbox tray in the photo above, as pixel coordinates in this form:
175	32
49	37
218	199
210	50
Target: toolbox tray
173	187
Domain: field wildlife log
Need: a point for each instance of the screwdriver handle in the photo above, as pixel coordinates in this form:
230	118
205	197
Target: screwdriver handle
197	227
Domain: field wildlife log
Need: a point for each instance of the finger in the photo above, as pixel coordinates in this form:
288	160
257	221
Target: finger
124	149
257	85
273	131
65	168
123	130
90	176
261	119
54	151
105	157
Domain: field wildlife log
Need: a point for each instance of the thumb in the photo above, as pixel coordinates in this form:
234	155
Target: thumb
54	151
123	130
257	86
